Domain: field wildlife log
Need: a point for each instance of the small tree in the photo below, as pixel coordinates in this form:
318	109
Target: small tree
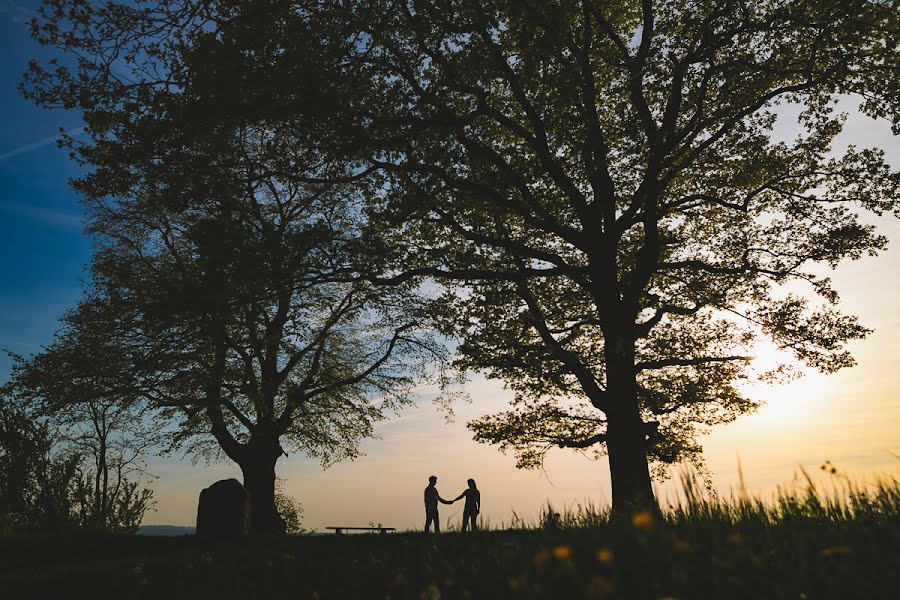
80	384
37	486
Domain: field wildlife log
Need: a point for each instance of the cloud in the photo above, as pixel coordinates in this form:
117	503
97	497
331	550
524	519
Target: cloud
43	215
35	145
15	12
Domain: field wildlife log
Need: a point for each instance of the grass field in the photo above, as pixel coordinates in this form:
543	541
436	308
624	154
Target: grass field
800	546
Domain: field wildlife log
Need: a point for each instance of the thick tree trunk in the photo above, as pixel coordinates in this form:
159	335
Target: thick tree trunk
258	467
625	435
628	467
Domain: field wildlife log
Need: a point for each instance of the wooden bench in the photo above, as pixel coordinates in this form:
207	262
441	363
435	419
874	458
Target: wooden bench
340	530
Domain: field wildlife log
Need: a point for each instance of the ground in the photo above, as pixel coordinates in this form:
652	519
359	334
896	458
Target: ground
744	553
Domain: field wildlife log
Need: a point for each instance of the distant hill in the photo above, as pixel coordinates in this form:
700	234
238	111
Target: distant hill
165	530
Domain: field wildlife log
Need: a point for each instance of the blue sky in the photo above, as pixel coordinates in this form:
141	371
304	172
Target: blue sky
42	249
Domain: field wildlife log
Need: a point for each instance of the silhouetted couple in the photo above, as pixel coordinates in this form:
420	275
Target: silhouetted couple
470	512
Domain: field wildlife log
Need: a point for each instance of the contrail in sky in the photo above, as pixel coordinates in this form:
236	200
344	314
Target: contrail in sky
36	145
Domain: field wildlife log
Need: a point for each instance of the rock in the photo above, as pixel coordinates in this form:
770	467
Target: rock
223	510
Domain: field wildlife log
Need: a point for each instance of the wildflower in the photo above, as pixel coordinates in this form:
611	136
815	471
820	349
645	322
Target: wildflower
137	570
398	582
467	593
605	556
562	552
518	583
431	593
643	520
540	559
735	538
834	551
598	587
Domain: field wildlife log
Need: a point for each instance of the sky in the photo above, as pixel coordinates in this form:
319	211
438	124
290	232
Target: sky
851	418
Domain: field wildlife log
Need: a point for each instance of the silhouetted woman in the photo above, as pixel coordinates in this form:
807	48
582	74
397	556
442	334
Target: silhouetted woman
473	505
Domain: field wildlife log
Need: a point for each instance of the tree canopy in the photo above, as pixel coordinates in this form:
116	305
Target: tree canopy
605	181
228	261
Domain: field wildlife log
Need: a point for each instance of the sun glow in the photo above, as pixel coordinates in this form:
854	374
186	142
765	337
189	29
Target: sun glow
788	389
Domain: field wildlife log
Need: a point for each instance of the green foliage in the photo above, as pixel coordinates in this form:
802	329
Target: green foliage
601	186
289	509
47	485
83	386
118	509
36	486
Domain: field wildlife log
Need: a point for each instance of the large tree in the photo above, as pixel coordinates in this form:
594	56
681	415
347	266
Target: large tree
601	179
236	298
228	250
604	180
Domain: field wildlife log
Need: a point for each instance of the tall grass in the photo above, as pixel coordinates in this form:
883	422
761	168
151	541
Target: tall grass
808	541
841	499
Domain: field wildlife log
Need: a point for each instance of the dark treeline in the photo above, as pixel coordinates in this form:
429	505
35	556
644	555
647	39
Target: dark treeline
294	203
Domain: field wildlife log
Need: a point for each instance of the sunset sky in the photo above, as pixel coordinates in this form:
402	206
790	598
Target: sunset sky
851	418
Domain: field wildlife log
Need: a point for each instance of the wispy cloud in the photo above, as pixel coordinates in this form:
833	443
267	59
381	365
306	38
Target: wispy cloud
36	144
15	11
43	215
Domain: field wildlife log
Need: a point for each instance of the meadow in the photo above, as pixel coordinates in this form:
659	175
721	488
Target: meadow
802	545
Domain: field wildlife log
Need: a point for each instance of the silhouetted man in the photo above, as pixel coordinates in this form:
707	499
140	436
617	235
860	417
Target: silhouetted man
473	505
431	505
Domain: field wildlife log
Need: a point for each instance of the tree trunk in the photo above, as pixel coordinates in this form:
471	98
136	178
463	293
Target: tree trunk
258	468
628	467
625	434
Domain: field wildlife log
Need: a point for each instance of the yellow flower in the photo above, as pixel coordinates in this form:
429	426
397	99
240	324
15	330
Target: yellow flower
431	593
643	520
598	587
735	538
605	556
834	551
517	583
540	559
398	582
562	552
